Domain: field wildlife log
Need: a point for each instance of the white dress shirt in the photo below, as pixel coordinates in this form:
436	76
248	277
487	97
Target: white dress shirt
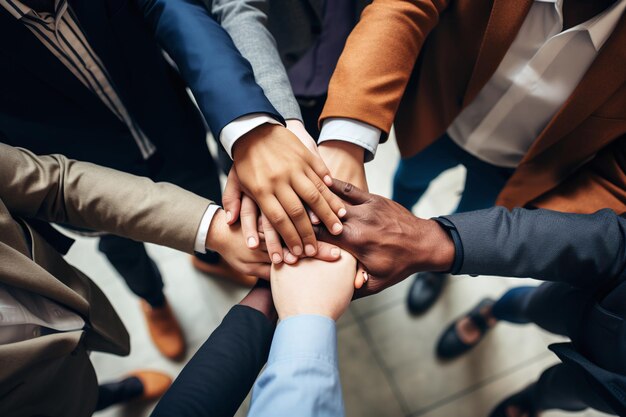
25	315
539	72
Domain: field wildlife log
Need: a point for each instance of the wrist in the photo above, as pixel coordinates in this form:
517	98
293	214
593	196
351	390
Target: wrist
260	299
218	232
434	247
345	161
242	145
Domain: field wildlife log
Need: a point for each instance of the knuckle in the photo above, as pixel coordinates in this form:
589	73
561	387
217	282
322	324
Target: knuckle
296	211
313	196
277	219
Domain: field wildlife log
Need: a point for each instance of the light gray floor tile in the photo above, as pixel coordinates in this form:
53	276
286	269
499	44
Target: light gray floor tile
366	391
406	345
480	400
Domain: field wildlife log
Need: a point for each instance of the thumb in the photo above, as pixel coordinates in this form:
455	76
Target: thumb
231	198
348	192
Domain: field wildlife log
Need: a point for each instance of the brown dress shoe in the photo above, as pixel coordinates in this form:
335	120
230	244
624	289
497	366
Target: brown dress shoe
223	269
154	383
164	330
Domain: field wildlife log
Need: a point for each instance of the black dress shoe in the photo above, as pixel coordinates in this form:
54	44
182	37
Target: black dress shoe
450	344
425	291
523	401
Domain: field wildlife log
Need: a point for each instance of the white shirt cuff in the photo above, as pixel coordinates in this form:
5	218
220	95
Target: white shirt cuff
240	126
203	230
353	131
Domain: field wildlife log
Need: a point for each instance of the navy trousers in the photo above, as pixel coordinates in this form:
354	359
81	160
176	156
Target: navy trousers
483	181
557	308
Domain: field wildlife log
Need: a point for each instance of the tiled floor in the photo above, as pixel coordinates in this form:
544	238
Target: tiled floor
387	363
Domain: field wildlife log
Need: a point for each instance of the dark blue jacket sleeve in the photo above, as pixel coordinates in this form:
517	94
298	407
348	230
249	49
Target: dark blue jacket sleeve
221	80
583	250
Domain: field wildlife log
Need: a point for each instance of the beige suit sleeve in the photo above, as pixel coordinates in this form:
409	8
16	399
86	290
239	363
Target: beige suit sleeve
81	194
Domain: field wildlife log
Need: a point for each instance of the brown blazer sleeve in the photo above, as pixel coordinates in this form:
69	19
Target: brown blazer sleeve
56	189
600	184
378	59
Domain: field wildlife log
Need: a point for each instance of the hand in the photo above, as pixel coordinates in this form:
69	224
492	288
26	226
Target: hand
313	287
388	240
280	174
237	203
345	161
228	241
246	209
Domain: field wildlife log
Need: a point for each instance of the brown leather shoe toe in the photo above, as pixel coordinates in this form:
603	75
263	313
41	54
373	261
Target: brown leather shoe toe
164	330
223	269
155	383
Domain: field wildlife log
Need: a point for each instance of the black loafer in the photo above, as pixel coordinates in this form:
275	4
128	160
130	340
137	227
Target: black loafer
523	400
425	290
450	344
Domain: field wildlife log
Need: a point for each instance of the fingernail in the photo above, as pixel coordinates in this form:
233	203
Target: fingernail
337	227
314	219
276	258
328	181
365	276
290	258
342	212
251	242
229	216
335	252
309	250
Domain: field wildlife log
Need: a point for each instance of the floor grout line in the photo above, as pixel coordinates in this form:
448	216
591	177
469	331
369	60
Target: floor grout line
379	360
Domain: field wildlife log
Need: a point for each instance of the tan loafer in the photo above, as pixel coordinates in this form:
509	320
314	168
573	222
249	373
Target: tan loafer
155	383
164	330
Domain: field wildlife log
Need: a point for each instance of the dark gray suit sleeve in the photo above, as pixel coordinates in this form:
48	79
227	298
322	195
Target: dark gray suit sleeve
583	250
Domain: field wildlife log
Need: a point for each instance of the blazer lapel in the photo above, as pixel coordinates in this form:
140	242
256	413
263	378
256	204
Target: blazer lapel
504	23
605	75
93	18
21	46
318	7
20	271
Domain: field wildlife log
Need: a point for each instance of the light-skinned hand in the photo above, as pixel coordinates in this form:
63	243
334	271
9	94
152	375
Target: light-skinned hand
283	177
313	287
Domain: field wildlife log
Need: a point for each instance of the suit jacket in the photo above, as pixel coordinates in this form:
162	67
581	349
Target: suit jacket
583	251
43	107
422	62
219	376
51	375
273	35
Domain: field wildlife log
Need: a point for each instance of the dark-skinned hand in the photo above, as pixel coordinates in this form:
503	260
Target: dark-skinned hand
388	240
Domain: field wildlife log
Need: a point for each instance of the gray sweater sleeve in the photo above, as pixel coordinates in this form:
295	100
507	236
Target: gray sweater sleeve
583	250
246	23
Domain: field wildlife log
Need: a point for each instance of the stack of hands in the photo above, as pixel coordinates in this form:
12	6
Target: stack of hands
300	207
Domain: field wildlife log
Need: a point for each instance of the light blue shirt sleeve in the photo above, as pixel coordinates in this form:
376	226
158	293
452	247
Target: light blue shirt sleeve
302	377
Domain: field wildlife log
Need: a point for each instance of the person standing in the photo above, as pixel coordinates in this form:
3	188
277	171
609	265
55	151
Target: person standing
528	96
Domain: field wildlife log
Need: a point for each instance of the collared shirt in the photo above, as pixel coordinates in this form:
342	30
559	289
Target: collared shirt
302	375
60	32
539	72
25	315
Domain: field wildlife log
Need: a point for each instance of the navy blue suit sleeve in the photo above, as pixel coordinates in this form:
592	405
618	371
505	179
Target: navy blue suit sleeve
221	80
583	250
219	376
